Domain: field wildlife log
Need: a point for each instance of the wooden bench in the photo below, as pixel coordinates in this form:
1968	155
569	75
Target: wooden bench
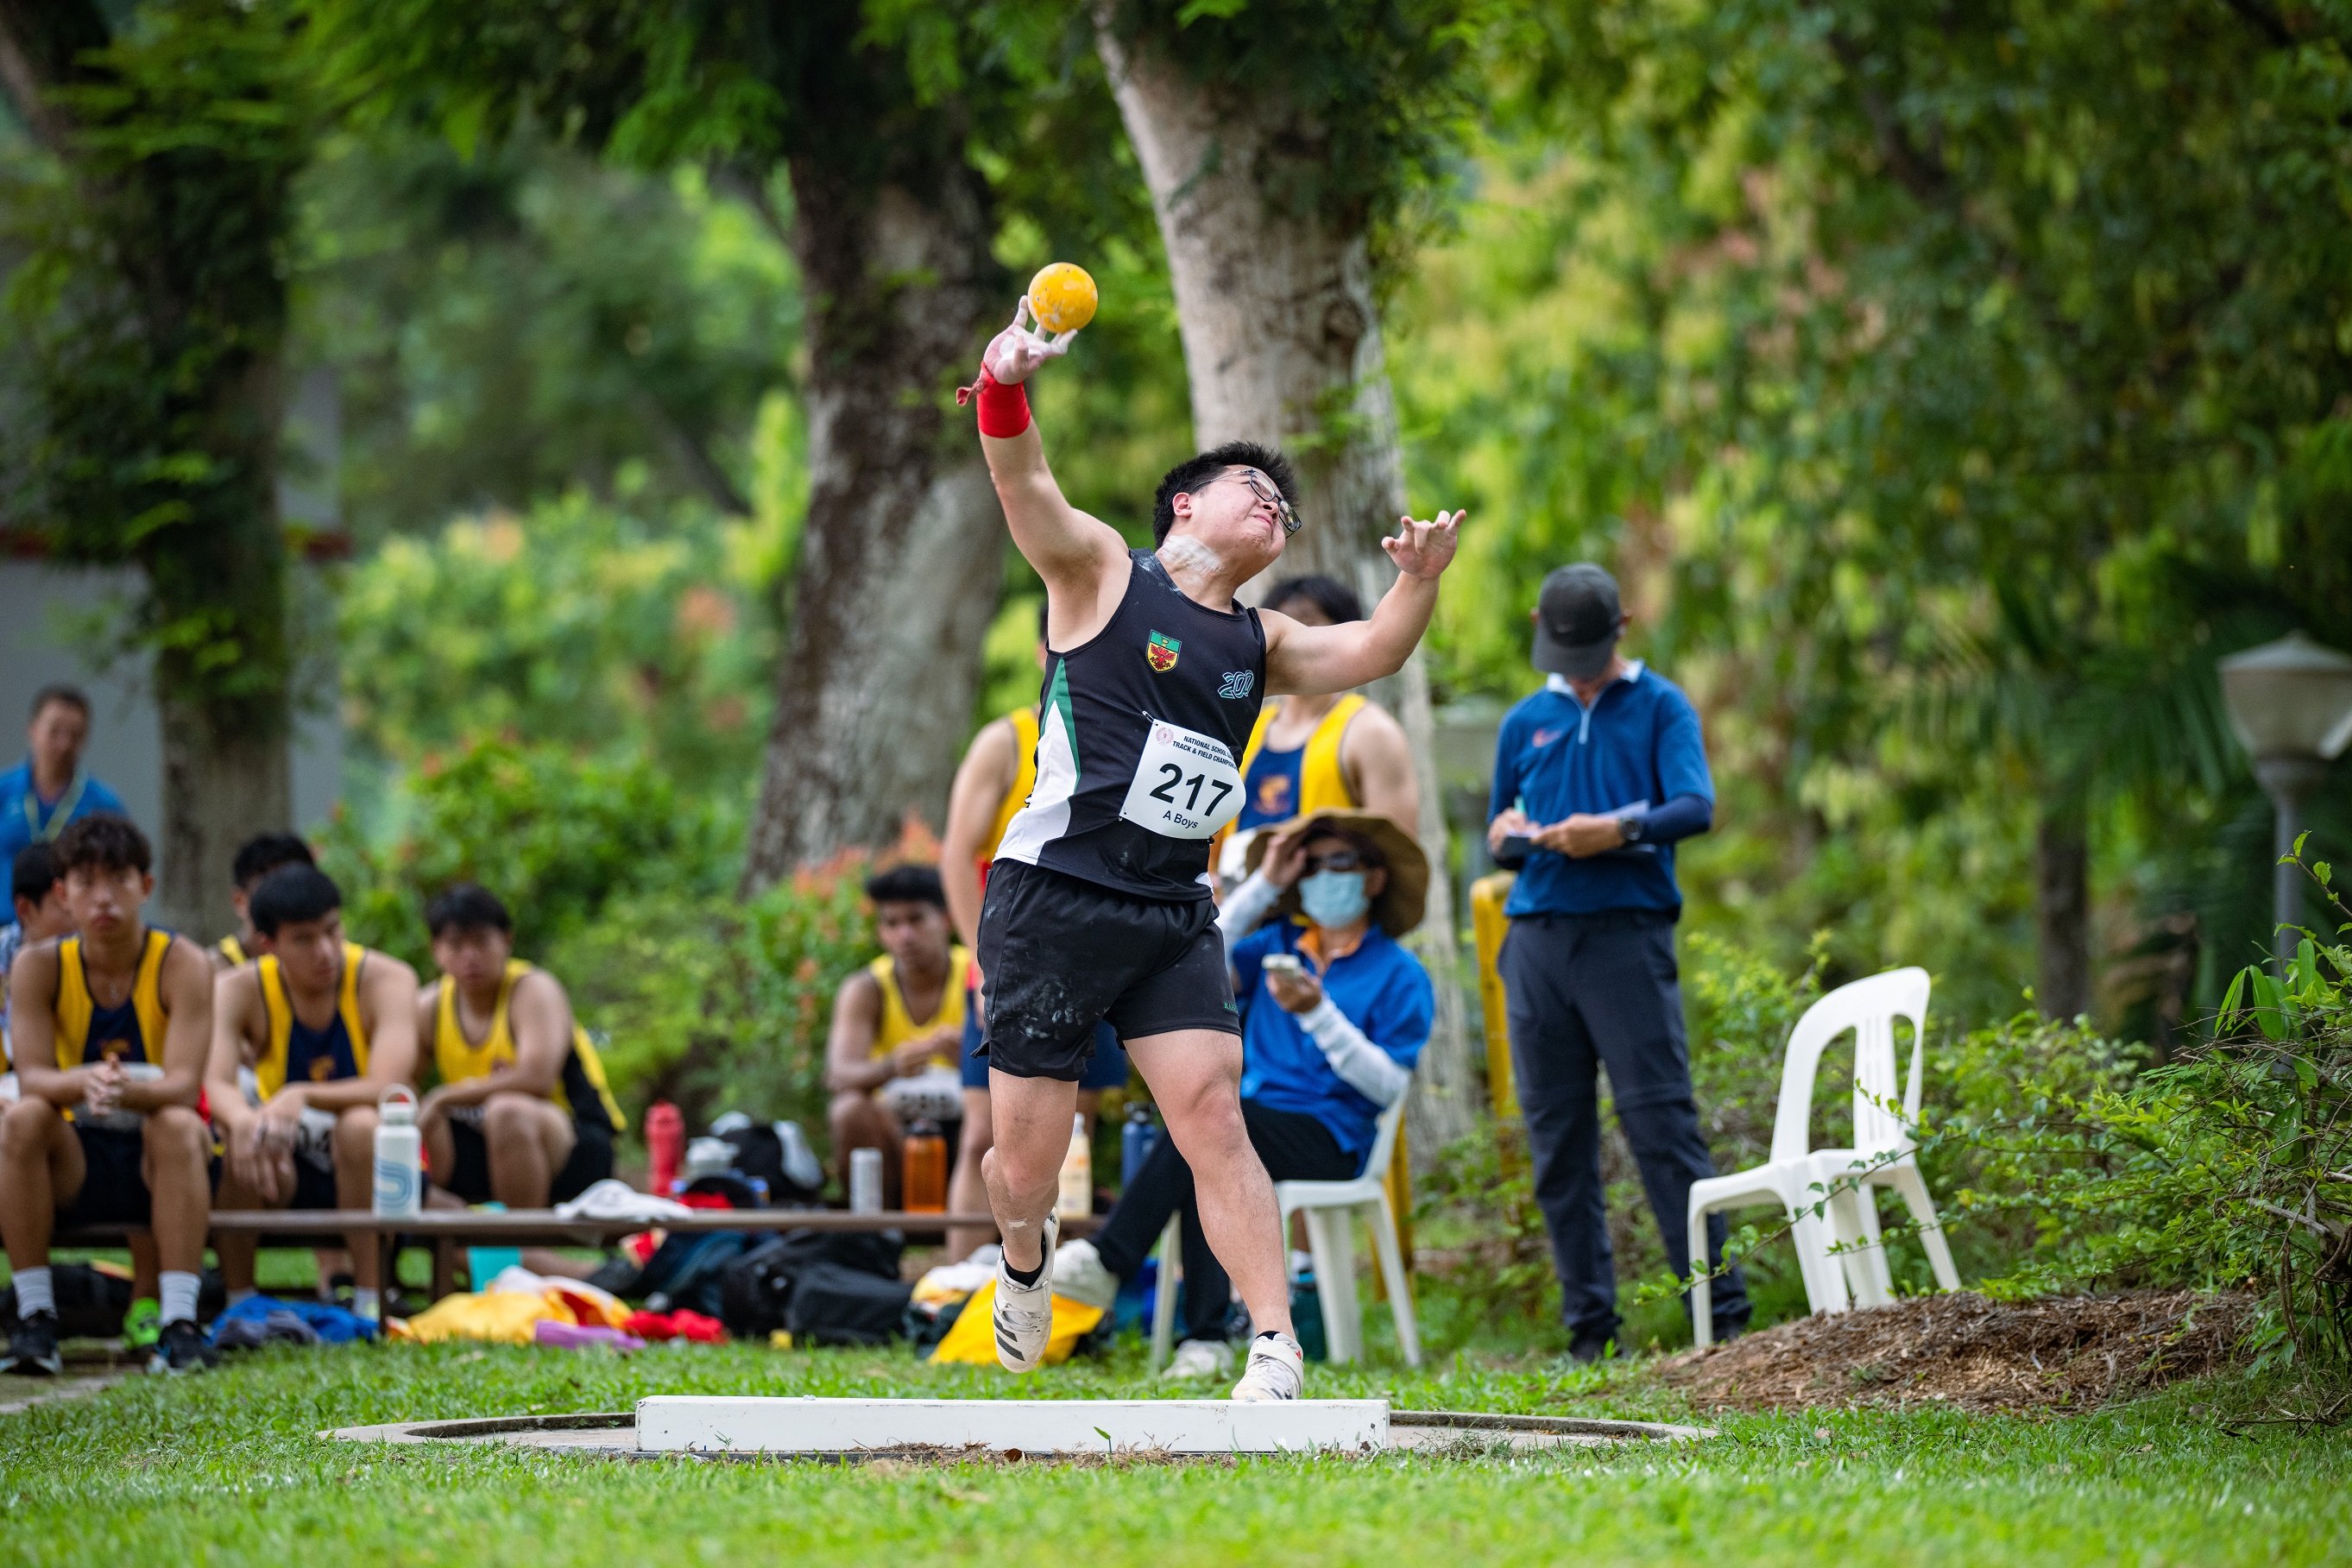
450	1230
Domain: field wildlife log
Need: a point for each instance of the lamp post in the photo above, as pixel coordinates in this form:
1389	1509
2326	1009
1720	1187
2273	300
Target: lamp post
2291	703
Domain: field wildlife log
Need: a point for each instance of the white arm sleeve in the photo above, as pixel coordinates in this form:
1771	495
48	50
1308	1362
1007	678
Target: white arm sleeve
1363	1066
1245	908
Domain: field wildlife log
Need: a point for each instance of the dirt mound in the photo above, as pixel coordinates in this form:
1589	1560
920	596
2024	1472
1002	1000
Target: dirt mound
1962	1350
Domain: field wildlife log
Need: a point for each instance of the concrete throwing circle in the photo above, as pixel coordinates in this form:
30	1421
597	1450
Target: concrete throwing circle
853	1430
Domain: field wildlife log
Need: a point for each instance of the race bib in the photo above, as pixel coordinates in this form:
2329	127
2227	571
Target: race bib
1185	787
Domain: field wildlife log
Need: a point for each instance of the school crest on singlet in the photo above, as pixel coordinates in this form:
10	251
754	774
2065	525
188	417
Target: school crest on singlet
1162	652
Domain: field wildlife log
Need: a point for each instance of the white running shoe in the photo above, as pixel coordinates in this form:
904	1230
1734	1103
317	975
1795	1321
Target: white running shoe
1079	1274
1276	1371
1023	1315
1200	1358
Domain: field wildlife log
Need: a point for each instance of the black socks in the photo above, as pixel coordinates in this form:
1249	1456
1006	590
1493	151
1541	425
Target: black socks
1025	1277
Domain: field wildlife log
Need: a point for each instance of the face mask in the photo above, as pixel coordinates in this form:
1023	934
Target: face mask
1334	897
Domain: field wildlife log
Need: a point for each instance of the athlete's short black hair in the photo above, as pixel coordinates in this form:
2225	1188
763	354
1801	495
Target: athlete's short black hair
1194	472
291	895
58	692
1329	594
33	872
103	840
907	884
466	906
264	853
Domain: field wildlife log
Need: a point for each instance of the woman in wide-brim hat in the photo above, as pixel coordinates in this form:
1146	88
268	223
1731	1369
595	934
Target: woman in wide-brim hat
1397	873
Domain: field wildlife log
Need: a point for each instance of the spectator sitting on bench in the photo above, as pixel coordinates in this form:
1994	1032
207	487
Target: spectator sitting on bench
110	1025
326	1025
899	1016
522	1114
257	858
38	891
1325	1046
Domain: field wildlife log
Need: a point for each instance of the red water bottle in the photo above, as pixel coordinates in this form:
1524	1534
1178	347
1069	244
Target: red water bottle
665	1145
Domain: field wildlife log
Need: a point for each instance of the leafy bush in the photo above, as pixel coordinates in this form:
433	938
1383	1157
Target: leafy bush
2230	1168
554	834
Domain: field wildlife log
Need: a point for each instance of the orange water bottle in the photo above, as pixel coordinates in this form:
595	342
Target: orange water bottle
924	1167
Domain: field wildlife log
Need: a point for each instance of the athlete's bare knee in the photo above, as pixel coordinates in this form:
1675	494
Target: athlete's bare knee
173	1131
25	1131
355	1131
508	1115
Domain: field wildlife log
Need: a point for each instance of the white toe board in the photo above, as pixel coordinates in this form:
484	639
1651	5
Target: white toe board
720	1425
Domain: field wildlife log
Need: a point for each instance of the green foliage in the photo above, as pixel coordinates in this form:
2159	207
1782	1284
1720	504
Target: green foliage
579	623
513	325
718	1005
557	835
1376	100
152	217
2223	1169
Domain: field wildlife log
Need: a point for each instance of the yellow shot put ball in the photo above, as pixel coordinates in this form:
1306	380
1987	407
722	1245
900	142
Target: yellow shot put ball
1062	297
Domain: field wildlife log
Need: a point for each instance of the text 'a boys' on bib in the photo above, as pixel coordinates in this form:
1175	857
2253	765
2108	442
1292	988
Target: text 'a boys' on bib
1185	784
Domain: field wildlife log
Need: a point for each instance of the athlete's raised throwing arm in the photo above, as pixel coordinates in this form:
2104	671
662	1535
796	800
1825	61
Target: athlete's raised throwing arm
1075	554
1308	660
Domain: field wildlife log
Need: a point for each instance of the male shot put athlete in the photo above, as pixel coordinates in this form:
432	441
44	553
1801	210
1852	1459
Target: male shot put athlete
1098	906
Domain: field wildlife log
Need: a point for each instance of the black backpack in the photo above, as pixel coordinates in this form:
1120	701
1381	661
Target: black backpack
90	1304
835	1304
755	1290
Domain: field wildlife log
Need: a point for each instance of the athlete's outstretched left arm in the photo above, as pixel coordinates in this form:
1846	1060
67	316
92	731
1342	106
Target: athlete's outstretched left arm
1310	660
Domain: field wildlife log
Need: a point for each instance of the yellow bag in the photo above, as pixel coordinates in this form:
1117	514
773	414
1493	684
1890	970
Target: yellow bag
502	1317
973	1341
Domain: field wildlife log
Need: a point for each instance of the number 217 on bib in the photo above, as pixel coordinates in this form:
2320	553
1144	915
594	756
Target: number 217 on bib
1185	784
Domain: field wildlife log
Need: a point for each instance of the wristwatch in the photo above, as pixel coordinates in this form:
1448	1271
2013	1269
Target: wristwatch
1629	826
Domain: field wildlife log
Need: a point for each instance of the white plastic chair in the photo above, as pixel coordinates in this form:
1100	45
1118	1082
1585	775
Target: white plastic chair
1797	1177
1330	1207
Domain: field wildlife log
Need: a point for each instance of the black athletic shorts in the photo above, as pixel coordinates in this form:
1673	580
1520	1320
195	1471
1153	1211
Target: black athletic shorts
314	1185
1060	953
114	1186
590	1162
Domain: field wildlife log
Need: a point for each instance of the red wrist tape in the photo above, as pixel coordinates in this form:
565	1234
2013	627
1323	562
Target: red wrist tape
1003	410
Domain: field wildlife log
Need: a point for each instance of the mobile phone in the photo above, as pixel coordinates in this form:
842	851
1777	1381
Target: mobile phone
1283	963
1516	848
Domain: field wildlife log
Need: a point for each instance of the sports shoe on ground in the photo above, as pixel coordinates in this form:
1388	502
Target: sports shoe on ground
1200	1358
142	1325
1588	1347
1079	1274
33	1348
1025	1313
181	1348
1276	1371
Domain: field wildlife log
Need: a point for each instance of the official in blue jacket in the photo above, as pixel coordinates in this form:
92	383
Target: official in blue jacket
48	789
1597	777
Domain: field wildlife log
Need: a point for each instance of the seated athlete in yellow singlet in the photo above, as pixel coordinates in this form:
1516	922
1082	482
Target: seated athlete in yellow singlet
900	1015
256	858
1337	752
111	1027
522	1114
325	1025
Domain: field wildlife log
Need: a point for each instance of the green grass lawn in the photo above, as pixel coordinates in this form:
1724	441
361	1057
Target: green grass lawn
225	1468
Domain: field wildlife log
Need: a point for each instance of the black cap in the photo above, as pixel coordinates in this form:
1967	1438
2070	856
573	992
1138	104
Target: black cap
1577	621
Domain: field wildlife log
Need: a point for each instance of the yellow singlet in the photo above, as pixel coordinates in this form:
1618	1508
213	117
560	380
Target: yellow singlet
1025	779
230	949
320	1055
581	1088
130	1031
1322	782
898	1026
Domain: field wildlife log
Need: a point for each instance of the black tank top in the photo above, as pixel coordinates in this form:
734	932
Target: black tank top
1139	731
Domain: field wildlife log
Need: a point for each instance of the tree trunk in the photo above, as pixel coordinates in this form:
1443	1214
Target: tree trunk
2062	912
901	557
1281	343
220	788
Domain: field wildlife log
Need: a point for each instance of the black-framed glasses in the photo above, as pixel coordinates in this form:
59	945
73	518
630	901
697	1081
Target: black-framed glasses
1265	491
